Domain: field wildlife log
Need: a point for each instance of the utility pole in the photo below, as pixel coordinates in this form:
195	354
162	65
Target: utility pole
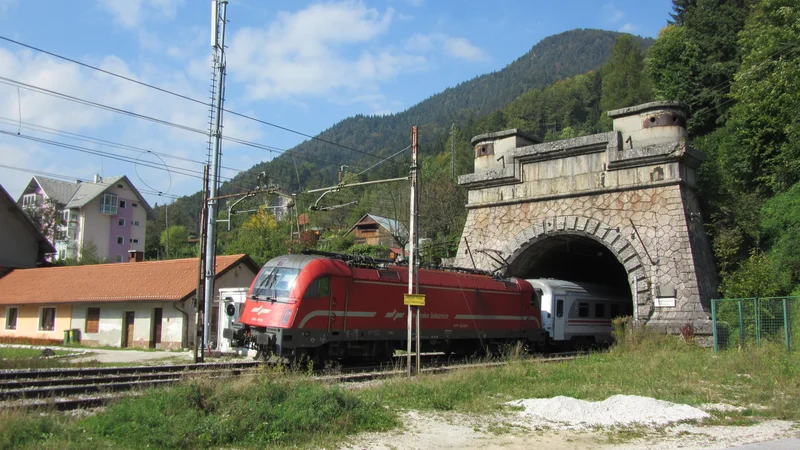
199	296
453	151
412	247
218	20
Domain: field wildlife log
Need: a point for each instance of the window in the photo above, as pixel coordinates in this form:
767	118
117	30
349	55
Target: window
92	320
119	258
120	240
559	308
136	223
537	299
29	200
109	204
62	254
11	318
600	310
134	241
583	310
47	319
120	186
134	205
614	309
321	287
122	203
121	221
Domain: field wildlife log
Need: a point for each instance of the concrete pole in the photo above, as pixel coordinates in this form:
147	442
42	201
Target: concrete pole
211	230
412	236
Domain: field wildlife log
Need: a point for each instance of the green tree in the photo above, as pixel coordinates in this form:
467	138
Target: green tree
764	154
694	60
262	237
175	243
755	277
624	83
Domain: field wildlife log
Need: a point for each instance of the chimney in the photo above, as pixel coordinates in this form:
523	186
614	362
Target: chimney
97	178
135	256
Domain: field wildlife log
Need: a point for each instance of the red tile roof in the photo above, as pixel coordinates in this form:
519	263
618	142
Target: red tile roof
170	280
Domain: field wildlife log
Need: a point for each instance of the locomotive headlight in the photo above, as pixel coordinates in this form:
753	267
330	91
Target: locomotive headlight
306	334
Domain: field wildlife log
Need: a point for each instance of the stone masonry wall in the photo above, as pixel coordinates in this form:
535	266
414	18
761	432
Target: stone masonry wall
663	257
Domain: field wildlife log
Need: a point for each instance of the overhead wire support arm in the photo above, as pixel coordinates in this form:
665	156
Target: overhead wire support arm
327	190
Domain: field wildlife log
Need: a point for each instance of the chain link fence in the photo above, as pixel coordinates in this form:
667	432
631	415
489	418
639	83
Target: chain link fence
743	322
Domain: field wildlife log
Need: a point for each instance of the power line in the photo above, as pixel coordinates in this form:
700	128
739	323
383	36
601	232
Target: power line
185	97
94	140
65	177
62	96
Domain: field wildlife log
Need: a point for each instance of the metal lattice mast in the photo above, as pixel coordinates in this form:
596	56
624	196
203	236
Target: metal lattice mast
218	14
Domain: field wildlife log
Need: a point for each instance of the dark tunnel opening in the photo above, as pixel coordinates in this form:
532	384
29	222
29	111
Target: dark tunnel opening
572	258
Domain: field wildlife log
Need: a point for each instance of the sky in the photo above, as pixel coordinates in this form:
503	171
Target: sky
301	65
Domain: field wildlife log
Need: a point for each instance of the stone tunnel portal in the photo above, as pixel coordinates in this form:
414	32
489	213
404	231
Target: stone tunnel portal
574	258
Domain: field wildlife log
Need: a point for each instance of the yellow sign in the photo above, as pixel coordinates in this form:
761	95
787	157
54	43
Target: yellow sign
414	299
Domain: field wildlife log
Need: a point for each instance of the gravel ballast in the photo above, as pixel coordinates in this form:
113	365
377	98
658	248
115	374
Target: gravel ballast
617	410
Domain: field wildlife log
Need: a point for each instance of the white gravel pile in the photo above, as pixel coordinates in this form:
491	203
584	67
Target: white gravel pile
613	411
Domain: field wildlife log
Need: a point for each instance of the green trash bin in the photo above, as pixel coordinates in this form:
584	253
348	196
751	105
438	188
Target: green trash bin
66	336
76	335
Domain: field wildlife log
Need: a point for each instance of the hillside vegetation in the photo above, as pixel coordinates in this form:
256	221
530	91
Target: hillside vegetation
733	63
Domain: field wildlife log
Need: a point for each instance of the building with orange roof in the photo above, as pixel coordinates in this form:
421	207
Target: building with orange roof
147	304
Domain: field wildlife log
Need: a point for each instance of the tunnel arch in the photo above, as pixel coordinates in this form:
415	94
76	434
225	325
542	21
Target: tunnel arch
578	248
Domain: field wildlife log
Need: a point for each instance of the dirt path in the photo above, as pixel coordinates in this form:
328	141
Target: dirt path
511	431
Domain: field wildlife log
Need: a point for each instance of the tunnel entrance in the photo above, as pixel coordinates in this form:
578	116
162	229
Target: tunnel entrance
572	257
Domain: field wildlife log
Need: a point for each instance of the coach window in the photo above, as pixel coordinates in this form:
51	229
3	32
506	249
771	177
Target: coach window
583	310
559	308
321	287
600	310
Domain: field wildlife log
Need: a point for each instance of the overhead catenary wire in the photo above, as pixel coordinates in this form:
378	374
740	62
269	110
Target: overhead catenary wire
186	97
76	179
38	89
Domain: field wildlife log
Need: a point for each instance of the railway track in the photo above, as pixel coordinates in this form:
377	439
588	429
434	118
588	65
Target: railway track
67	389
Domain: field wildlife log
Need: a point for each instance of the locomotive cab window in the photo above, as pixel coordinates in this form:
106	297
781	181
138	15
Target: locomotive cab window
536	300
274	282
583	310
321	287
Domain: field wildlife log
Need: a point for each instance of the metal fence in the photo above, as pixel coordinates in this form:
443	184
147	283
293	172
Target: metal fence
742	322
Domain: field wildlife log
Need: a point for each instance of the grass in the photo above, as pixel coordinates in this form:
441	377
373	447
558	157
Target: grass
271	410
281	408
25	353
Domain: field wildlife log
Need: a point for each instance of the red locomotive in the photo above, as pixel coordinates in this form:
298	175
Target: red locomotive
329	306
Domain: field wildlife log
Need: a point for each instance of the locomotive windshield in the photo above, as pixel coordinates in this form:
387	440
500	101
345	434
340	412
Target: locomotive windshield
274	282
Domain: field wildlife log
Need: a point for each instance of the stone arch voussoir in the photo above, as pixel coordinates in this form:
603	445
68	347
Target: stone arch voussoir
627	251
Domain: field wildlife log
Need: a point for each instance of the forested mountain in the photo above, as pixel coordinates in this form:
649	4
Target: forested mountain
554	58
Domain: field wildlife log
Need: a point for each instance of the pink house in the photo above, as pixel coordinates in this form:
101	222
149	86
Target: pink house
108	212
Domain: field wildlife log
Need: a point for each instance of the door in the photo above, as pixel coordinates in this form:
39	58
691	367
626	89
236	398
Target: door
127	330
559	319
337	320
155	335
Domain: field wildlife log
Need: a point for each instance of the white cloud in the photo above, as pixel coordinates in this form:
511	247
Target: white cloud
611	14
628	28
327	49
131	13
44	110
455	47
